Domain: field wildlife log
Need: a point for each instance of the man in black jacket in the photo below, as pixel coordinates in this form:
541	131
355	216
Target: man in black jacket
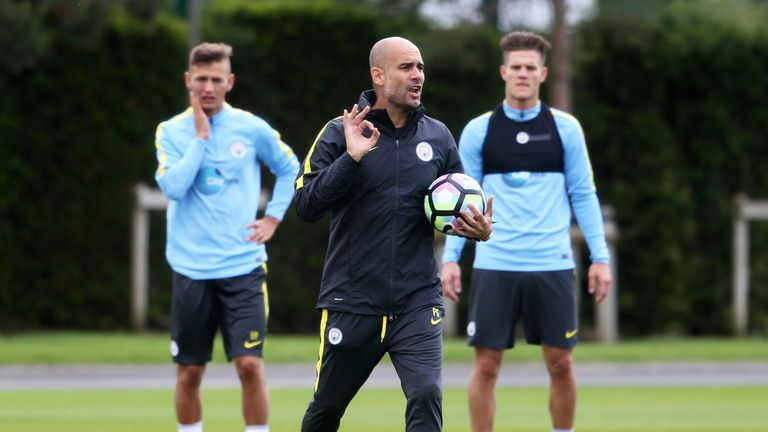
380	291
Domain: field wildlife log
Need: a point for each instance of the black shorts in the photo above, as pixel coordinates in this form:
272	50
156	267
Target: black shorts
237	306
546	302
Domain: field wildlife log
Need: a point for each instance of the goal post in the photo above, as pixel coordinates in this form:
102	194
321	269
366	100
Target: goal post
745	211
146	199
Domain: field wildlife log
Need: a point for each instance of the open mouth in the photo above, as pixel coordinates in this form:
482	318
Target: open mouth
414	91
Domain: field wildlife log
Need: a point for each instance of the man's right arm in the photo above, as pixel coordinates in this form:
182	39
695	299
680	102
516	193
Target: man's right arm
176	169
325	175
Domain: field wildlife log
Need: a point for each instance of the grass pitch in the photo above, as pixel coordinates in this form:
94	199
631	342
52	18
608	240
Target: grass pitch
600	409
133	348
662	409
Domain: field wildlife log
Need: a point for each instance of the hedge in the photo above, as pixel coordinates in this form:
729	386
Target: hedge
672	110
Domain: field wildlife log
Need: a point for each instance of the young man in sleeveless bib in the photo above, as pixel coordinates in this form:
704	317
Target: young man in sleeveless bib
533	160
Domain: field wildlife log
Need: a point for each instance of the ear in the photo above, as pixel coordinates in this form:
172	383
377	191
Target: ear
377	76
544	73
188	80
230	81
503	72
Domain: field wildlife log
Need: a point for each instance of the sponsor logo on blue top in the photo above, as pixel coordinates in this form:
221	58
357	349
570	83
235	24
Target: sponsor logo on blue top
209	180
516	179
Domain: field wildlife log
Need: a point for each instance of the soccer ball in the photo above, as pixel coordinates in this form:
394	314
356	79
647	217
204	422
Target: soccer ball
448	195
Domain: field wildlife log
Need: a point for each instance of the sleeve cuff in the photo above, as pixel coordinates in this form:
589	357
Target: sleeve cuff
450	256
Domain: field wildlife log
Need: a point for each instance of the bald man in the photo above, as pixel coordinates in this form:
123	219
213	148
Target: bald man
380	292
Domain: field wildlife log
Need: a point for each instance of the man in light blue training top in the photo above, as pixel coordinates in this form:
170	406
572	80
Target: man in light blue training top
209	166
533	160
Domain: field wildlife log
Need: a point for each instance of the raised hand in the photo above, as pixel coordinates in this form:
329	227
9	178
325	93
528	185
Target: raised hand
354	126
202	126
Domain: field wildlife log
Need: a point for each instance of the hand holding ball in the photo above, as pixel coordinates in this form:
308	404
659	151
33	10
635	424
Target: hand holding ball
449	195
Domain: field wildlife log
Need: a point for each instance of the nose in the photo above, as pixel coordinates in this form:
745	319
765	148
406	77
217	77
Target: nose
417	75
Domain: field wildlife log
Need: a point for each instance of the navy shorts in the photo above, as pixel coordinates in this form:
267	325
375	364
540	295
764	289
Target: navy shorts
545	301
236	306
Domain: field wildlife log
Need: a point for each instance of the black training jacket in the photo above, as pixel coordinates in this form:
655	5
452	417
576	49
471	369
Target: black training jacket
380	258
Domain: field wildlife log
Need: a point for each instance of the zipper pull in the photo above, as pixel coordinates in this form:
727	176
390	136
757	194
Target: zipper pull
391	317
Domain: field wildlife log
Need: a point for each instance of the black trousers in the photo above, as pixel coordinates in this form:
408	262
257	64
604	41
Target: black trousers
352	345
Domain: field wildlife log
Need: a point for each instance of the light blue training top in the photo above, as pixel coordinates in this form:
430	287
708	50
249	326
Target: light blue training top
214	188
532	211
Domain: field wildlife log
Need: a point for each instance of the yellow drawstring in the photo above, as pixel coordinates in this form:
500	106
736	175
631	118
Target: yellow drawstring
383	327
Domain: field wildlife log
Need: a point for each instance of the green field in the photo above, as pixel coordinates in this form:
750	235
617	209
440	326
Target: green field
603	409
78	347
722	409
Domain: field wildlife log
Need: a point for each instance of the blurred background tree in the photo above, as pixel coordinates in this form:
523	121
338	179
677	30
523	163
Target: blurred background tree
670	95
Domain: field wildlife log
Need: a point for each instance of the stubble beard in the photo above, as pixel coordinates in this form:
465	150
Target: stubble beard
401	100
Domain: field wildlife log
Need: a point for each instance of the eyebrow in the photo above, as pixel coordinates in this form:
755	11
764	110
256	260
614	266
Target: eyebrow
410	63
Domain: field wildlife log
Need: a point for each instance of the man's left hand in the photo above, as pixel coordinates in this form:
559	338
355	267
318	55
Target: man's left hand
263	229
476	225
599	280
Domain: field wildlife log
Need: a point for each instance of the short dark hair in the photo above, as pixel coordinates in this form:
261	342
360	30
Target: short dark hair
207	53
523	41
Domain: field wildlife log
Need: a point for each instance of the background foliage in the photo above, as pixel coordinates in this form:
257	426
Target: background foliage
676	128
671	107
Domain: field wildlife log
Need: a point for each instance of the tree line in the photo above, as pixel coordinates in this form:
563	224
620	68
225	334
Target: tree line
672	109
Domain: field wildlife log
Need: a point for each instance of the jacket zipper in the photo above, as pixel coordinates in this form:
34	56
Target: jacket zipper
394	229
